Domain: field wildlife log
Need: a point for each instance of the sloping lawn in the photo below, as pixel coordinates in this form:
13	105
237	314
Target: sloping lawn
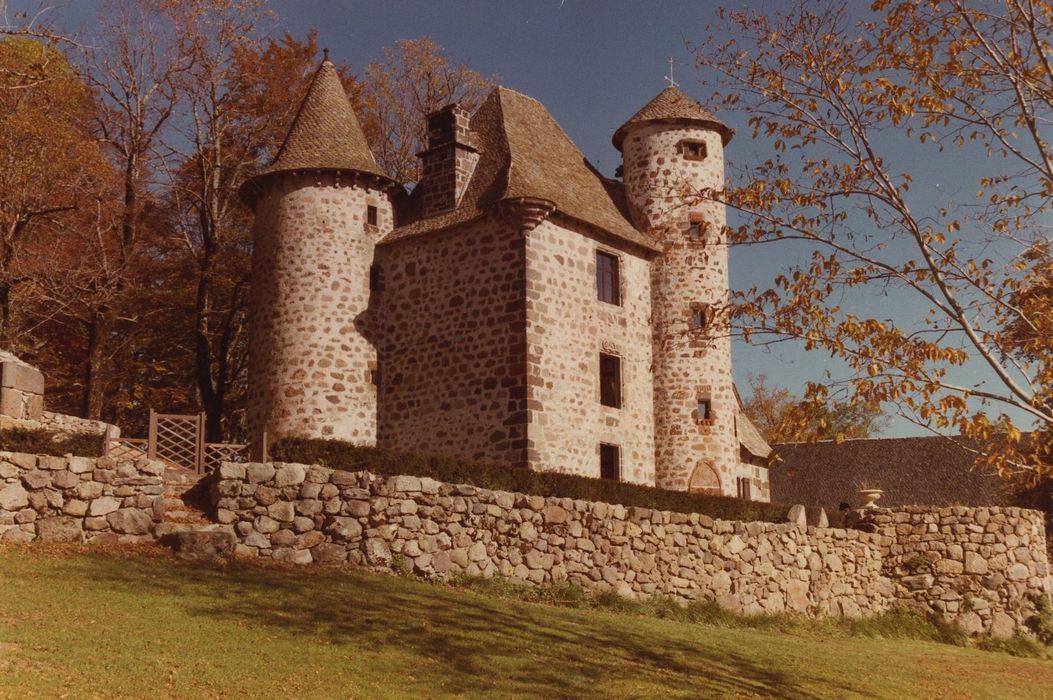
81	623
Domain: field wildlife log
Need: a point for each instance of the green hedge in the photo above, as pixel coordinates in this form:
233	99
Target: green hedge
49	442
341	455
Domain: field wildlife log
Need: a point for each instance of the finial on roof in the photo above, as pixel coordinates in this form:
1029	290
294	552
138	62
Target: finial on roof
325	55
669	78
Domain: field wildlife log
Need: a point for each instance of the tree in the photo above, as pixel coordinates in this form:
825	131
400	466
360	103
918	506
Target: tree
782	417
240	94
824	92
52	168
414	79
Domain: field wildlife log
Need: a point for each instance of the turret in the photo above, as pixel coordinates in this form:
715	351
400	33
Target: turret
672	153
320	207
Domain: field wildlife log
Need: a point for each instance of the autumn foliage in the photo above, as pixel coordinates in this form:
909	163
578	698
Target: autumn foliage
124	248
937	306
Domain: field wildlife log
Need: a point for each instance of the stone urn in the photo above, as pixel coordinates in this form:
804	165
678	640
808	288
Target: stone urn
870	497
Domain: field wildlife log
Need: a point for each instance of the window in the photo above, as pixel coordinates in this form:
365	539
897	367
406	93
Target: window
607	282
699	318
695	230
744	488
693	150
371	215
610	380
376	279
610	462
705	409
374	374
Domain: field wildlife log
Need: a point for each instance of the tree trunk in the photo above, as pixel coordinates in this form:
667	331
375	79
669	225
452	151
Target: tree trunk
93	395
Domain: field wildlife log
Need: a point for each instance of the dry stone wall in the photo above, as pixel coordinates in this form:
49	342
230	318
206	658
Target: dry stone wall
73	499
984	568
307	514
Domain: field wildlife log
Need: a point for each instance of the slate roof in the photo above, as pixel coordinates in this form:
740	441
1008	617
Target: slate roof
325	134
525	153
912	471
671	106
750	438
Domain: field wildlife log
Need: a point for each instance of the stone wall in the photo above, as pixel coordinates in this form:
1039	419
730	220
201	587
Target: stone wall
21	389
984	568
72	499
693	452
567	329
452	347
306	514
312	354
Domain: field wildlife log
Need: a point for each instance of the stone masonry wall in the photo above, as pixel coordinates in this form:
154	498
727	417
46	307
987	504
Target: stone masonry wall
984	568
312	352
691	274
72	499
567	329
310	514
452	348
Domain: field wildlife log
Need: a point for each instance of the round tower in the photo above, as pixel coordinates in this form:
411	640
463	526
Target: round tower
321	207
672	153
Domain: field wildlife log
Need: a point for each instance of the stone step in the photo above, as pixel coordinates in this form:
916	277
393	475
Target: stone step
168	528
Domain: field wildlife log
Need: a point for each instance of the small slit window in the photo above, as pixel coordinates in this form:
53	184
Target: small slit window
699	318
610	380
607	278
371	215
744	488
610	462
705	409
693	150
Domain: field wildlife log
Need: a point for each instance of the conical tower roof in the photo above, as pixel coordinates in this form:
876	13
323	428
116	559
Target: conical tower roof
671	106
325	134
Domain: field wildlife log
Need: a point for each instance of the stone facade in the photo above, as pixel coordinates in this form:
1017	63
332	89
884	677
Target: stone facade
692	364
452	347
984	568
305	514
313	361
466	320
73	499
567	329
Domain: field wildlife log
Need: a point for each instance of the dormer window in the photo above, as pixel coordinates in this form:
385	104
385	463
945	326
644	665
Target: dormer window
693	150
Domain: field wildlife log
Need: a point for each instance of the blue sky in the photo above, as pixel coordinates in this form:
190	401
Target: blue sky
593	64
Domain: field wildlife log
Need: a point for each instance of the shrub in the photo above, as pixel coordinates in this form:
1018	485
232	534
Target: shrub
341	455
50	442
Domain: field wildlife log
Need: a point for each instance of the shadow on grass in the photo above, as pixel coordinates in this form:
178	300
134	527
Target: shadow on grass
481	644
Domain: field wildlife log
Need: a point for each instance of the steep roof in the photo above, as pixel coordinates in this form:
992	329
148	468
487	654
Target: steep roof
671	106
911	471
325	134
750	438
525	153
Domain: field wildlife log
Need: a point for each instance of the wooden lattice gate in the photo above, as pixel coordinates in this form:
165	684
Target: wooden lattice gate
178	440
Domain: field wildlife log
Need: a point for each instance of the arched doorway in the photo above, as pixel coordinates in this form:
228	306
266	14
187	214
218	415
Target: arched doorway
705	480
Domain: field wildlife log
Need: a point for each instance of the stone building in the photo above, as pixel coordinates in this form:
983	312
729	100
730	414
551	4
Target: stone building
516	306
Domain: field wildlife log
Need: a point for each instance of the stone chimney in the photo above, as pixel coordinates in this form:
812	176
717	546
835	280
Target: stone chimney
449	161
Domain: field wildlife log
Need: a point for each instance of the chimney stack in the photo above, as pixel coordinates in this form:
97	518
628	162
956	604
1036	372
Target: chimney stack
448	162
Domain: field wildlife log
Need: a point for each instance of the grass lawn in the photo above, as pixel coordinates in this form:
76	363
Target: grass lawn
81	623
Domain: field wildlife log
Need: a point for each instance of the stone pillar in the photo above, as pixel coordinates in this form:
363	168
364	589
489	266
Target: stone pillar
21	389
667	168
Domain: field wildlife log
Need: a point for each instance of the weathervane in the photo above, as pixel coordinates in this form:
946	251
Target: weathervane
669	78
